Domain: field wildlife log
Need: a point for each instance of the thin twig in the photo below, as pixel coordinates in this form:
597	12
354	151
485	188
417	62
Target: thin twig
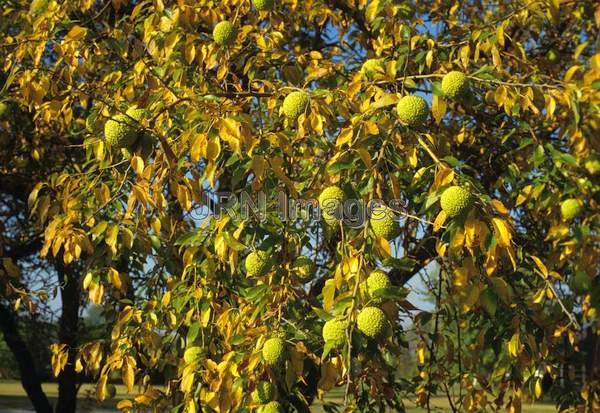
429	151
572	320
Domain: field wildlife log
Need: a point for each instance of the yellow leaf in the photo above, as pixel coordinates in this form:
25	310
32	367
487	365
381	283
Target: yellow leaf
213	148
538	388
429	58
440	248
496	60
258	166
104	193
111	237
539	296
439	221
511	255
412	157
328	294
101	388
115	278
502	232
457	241
500	95
524	195
371	128
570	72
127	236
438	108
198	147
137	163
384	100
550	106
500	34
365	156
543	269
465	51
350	267
514	345
190	52
421	354
472	232
59	358
124	404
344	137
76	33
128	373
371	11
205	317
383	247
187	378
190	406
444	177
96	293
184	197
499	206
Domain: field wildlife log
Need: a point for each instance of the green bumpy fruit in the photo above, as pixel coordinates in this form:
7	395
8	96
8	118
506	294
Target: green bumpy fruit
272	407
377	280
371	321
273	351
304	268
263	392
257	263
295	104
581	282
263	5
372	66
37	6
592	166
3	108
456	201
412	110
334	331
570	208
383	222
331	202
147	144
122	130
455	84
224	33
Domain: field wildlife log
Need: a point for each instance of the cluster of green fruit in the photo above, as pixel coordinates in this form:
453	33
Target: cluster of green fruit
456	201
259	263
382	220
225	32
264	394
413	110
570	208
3	108
274	355
371	320
123	132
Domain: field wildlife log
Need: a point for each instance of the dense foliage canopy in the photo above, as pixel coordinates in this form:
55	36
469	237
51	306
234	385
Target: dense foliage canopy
475	122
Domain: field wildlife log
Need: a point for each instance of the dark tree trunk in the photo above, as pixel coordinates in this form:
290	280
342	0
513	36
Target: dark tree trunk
67	334
591	345
29	378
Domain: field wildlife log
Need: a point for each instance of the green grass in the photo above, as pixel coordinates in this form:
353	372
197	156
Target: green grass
13	396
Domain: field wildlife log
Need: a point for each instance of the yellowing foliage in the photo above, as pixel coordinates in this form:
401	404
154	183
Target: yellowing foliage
253	110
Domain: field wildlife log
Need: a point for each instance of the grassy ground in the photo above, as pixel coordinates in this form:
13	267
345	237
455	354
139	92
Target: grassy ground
12	396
